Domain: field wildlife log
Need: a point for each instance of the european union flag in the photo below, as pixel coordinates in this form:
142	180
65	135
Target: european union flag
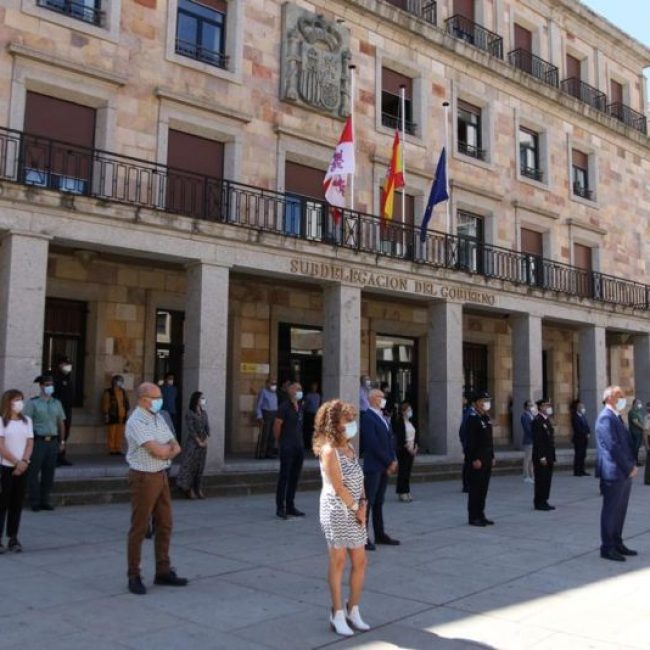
438	193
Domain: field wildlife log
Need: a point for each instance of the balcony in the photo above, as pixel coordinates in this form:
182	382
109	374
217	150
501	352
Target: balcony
532	173
533	65
583	192
394	122
87	12
471	151
585	93
57	166
424	9
465	30
628	116
194	51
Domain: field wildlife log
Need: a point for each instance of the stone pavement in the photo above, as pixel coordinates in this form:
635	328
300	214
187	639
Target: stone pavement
534	580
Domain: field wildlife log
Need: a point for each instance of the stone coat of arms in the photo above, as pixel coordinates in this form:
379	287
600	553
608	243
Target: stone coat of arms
315	62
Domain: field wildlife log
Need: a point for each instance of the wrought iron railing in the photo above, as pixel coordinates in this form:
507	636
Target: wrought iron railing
394	122
532	172
105	176
628	116
466	30
471	150
583	192
89	13
195	51
533	65
585	93
425	9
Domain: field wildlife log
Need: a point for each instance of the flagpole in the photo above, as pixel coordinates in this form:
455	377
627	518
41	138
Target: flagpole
352	68
448	206
402	92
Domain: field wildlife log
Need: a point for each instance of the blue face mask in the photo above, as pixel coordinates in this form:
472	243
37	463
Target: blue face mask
156	404
48	390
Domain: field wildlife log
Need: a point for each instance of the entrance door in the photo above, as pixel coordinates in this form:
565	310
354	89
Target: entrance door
475	367
300	354
397	366
169	353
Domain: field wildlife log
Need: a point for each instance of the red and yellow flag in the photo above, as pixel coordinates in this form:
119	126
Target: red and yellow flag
394	179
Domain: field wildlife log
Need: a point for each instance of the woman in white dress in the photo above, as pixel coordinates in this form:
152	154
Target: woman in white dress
342	510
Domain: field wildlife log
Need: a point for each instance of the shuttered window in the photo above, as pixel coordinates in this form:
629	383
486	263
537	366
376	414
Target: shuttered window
582	257
464	8
391	83
523	38
616	92
532	242
573	67
304	181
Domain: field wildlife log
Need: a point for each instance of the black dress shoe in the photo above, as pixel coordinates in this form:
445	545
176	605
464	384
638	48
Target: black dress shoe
544	507
46	506
488	522
169	580
281	513
613	555
477	522
550	507
370	546
624	550
585	474
294	512
36	508
387	541
136	587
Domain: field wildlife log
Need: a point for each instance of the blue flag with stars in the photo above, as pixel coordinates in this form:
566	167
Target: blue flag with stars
438	193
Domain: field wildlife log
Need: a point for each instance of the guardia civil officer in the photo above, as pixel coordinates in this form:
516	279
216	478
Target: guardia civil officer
480	453
543	454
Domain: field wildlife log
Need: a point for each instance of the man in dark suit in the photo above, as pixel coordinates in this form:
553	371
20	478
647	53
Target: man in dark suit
379	461
580	437
543	454
616	468
480	453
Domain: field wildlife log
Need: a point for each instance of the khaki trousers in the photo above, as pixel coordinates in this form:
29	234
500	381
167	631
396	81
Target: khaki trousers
115	437
149	496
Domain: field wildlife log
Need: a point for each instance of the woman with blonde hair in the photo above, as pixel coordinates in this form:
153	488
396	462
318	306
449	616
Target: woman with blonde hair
342	510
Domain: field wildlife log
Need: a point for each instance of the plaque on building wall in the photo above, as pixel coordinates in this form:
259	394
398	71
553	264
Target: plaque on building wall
315	61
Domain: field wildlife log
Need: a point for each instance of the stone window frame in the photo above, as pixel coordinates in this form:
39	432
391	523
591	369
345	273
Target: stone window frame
419	111
544	151
588	236
234	43
539	45
585	55
110	31
593	171
487	127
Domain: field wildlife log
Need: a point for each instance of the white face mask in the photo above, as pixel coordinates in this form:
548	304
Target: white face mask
203	401
67	368
583	410
298	395
351	429
367	383
621	403
487	406
17	406
408	414
273	387
548	410
382	403
534	411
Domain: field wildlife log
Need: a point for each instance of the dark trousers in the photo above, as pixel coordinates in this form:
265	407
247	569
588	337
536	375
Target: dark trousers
291	459
467	468
579	455
41	471
405	466
646	476
66	426
308	428
543	478
375	484
478	484
266	440
11	500
616	495
150	496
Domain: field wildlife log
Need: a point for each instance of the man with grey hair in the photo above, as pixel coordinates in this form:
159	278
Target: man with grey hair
151	448
616	467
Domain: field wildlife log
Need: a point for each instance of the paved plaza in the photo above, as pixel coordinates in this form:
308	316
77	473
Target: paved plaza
534	580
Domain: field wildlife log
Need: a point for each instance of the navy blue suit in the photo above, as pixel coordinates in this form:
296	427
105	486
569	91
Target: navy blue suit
378	454
615	462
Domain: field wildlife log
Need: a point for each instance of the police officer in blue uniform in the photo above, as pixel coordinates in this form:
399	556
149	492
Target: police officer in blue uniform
543	454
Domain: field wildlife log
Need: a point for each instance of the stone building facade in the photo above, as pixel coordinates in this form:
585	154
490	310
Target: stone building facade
160	170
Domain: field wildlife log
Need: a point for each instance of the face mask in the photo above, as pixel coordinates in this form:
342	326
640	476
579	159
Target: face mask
273	387
203	401
298	395
66	369
367	383
351	430
534	410
487	406
17	406
583	410
156	404
382	404
120	384
48	390
170	382
621	403
548	410
409	414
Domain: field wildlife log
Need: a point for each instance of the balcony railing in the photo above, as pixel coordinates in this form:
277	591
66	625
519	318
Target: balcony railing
425	9
532	172
583	192
585	93
533	65
628	116
41	162
464	29
195	51
394	122
471	150
75	9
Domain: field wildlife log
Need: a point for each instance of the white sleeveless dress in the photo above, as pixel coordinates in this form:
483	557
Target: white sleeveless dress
339	524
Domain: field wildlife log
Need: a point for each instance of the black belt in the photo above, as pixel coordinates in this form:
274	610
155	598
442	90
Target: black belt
46	438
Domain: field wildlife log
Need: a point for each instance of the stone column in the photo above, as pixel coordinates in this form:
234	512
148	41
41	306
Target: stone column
23	279
206	347
593	370
341	342
642	367
445	382
526	367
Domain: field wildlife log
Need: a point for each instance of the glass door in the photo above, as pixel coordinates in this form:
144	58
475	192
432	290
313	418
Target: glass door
397	366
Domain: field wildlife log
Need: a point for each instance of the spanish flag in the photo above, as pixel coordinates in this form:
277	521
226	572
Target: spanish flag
394	179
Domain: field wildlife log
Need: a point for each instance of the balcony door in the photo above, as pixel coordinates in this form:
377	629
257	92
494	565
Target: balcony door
470	233
464	8
532	245
582	260
475	367
304	207
573	67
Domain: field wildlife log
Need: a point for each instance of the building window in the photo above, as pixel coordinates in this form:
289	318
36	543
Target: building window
529	158
65	336
582	260
580	173
58	144
195	175
201	31
469	229
469	131
391	114
475	367
532	245
304	207
90	11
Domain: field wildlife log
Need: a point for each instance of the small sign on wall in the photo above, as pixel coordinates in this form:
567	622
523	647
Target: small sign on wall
255	368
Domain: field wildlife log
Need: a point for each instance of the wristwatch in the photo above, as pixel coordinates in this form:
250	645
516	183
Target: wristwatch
354	507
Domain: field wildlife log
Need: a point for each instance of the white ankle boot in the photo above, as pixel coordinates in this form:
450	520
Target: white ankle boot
355	620
339	624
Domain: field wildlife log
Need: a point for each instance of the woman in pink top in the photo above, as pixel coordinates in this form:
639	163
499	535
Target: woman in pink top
16	445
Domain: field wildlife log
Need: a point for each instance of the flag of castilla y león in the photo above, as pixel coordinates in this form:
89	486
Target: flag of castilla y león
341	167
